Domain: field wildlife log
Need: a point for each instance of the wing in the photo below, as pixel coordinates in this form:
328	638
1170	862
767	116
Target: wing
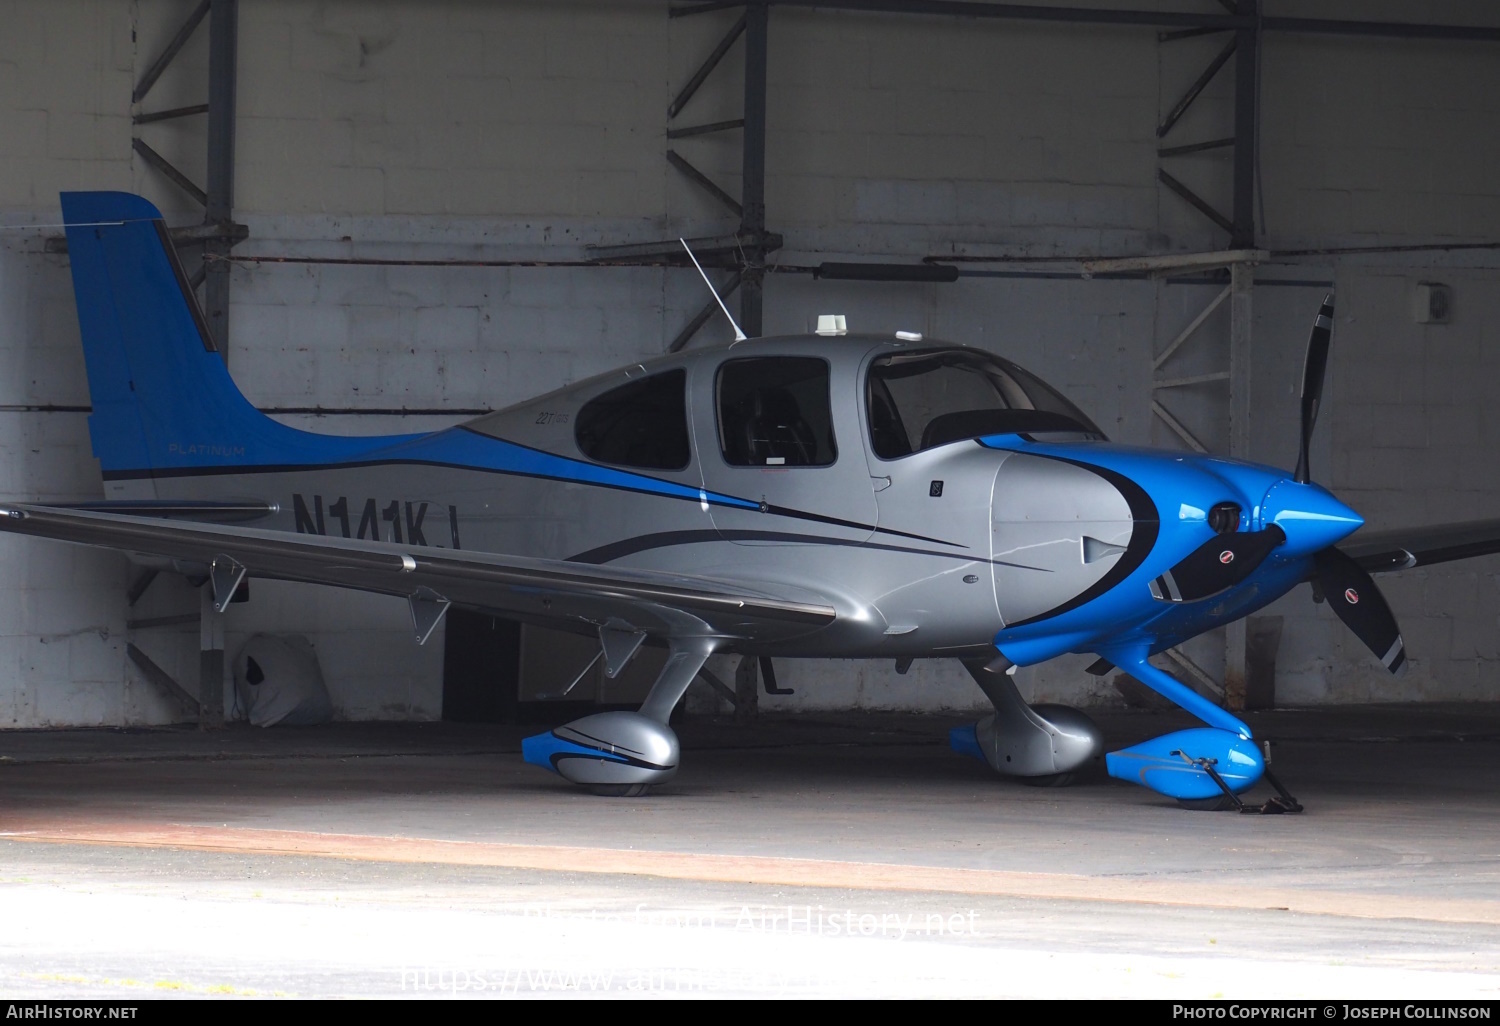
546	591
1385	551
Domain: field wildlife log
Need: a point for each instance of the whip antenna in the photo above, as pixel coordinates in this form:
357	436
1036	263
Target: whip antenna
739	336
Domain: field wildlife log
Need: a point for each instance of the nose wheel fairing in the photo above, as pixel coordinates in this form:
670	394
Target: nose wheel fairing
1185	764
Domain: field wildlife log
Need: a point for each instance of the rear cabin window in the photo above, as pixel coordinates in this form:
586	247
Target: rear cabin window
640	424
774	412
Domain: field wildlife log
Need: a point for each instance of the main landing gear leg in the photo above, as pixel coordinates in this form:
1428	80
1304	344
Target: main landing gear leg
621	754
1041	745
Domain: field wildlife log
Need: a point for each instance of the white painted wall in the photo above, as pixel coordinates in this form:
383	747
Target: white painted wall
456	129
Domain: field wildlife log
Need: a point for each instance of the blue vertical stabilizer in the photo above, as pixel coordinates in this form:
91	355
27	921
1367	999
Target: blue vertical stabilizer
163	399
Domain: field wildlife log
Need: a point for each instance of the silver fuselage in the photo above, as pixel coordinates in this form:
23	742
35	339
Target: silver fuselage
911	573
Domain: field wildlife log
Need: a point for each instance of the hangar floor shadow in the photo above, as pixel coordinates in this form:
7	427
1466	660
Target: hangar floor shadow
819	854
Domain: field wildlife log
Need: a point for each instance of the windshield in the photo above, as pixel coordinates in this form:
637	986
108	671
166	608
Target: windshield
918	400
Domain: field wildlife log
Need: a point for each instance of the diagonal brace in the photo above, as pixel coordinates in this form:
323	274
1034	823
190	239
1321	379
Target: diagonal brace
163	165
178	42
1196	201
707	183
706	68
1196	88
702	316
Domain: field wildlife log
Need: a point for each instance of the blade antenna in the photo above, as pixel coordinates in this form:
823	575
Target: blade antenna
739	336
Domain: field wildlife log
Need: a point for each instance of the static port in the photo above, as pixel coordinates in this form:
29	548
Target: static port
1224	518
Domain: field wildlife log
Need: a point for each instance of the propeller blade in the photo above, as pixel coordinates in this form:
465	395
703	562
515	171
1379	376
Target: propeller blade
1313	368
1217	565
1358	602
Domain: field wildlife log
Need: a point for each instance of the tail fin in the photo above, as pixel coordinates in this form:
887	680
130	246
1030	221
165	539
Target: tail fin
163	399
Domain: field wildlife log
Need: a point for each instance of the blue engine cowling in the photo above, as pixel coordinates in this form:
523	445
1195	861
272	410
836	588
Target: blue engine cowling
1166	764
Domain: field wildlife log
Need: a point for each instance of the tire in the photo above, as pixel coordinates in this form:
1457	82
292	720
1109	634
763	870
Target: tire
1218	803
1049	780
619	790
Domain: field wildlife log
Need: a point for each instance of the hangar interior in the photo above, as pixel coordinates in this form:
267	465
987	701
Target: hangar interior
406	214
402	214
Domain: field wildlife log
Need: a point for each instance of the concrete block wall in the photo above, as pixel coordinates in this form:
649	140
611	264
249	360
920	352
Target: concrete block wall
527	129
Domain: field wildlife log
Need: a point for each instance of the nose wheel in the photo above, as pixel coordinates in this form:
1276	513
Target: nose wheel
1049	780
620	790
1278	804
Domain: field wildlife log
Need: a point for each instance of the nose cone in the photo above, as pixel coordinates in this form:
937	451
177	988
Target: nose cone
1311	517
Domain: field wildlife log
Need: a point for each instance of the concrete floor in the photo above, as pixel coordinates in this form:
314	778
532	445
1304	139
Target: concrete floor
819	855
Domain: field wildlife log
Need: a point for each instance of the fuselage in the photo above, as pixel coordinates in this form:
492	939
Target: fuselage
874	474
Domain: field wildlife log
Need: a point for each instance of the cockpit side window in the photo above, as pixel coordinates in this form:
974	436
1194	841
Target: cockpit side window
774	411
640	424
918	400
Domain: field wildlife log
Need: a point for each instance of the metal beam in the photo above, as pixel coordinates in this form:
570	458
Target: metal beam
1191	379
139	585
1242	233
1186	333
1194	671
1168	262
1242	284
753	179
161	621
708	184
162	679
670	250
1178	428
166	167
712	680
1197	202
1192	33
185	235
1196	88
716	126
1023	12
1384	29
160	64
746	689
168	115
223	45
706	67
1198	147
1157	19
210	660
703	316
685	10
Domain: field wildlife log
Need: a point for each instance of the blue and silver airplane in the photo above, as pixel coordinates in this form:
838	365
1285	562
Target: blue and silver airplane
862	497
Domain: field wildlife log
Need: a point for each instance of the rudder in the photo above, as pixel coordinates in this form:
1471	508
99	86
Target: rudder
163	400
